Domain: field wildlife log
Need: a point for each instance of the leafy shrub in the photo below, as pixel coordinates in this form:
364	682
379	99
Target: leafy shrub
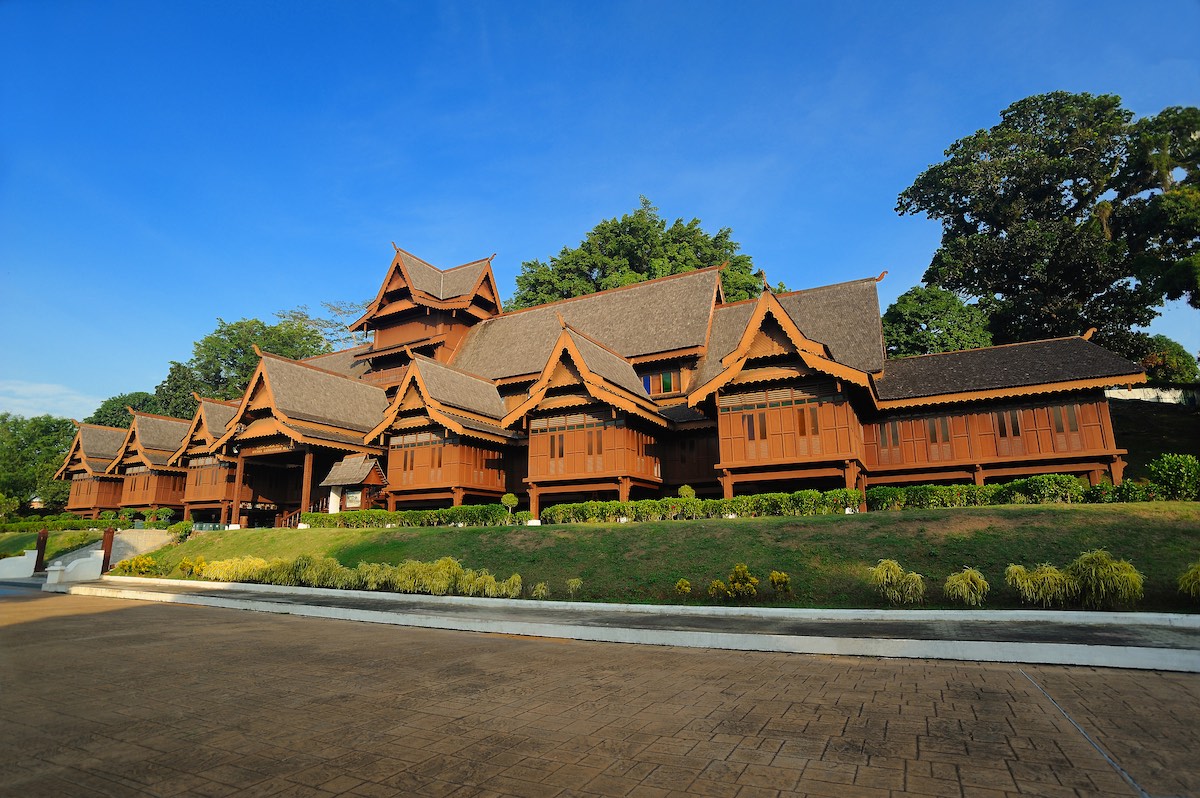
1054	489
882	497
1189	581
687	492
717	589
1129	491
522	517
684	588
967	586
180	531
189	568
141	565
781	583
1045	585
809	502
1177	476
1103	581
897	585
1103	493
574	586
540	591
922	496
509	500
742	584
841	499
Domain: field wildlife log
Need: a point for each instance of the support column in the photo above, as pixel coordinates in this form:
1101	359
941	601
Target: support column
239	477
726	484
225	508
978	475
862	492
306	488
623	489
1095	476
391	502
850	470
187	513
1117	469
457	496
535	508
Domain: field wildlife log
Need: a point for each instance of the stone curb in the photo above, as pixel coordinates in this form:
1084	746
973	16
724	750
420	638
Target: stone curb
1144	658
1078	617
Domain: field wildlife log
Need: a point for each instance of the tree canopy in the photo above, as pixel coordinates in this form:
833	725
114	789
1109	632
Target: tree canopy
31	450
223	361
638	246
926	319
1168	361
114	411
1067	215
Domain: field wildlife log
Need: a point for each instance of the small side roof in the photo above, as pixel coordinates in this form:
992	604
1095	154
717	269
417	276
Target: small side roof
454	388
304	392
1057	362
352	470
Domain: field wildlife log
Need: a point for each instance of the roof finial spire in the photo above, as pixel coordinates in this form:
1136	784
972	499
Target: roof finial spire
882	274
1087	336
761	274
395	247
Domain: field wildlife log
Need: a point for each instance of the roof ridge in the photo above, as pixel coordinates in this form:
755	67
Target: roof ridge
448	367
826	287
307	365
158	416
639	284
987	348
82	424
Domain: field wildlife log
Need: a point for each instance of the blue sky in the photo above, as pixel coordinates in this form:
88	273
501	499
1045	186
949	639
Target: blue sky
163	164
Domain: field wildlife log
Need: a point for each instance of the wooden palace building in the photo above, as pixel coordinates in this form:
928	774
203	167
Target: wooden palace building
626	393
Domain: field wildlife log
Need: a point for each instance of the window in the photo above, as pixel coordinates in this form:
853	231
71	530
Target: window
1008	432
889	442
938	430
661	382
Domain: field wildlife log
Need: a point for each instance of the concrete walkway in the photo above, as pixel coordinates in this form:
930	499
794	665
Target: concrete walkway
1148	641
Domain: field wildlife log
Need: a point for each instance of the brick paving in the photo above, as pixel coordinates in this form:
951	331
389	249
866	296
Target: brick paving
114	698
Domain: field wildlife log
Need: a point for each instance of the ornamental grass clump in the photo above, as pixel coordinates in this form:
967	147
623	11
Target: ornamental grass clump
895	584
1189	581
1045	585
967	586
540	591
574	586
141	565
1105	582
717	589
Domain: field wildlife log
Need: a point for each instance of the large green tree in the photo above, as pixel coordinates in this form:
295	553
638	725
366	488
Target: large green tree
1168	361
926	319
174	394
114	411
1067	215
638	246
31	450
223	361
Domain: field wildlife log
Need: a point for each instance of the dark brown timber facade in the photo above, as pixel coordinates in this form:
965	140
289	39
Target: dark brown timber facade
626	393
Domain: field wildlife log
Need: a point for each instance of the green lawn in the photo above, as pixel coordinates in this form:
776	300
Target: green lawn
58	544
826	556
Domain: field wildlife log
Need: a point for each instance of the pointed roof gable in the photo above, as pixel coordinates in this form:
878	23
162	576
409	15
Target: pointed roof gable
461	402
429	285
1009	370
152	439
94	448
603	374
739	330
453	388
210	422
667	314
354	469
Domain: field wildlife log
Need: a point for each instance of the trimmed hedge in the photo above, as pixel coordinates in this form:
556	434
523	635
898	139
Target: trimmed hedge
54	526
466	515
804	502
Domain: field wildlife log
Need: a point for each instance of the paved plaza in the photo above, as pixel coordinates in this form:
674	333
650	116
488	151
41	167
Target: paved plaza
110	697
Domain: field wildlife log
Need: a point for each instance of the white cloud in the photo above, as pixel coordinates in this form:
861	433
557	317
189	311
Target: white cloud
39	398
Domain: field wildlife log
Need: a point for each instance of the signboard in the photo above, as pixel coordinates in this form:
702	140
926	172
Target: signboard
352	499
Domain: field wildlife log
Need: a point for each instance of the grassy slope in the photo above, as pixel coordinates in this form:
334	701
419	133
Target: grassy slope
1148	429
59	543
826	556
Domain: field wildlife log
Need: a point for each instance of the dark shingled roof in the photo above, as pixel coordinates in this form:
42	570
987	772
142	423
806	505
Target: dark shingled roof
343	361
100	444
843	317
350	470
999	367
310	394
217	416
479	426
452	387
447	284
640	319
160	434
610	366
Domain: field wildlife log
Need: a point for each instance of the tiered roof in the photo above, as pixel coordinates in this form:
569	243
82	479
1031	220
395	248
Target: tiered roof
92	450
151	440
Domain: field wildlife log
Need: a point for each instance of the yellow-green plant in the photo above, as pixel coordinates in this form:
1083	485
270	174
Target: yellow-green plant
189	567
967	586
140	565
238	569
574	586
1103	581
717	589
781	583
1189	581
897	585
541	591
1045	584
510	588
683	587
742	584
